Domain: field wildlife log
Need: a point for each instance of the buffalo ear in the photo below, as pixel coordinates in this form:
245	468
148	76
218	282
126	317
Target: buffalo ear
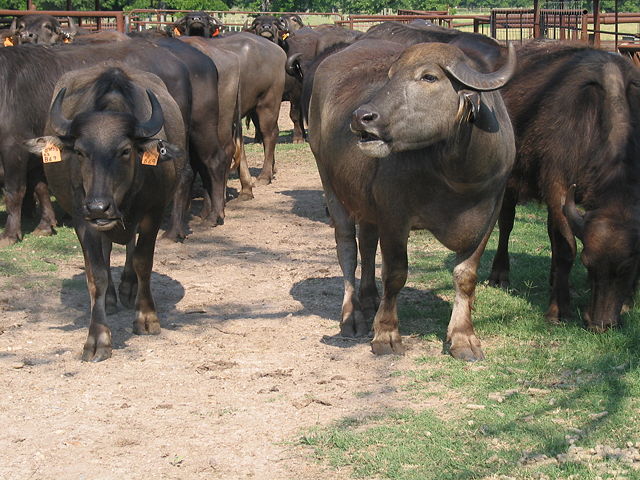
469	106
36	145
165	149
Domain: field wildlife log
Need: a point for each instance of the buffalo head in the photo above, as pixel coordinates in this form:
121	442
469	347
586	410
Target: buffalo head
41	29
104	151
431	90
611	254
197	24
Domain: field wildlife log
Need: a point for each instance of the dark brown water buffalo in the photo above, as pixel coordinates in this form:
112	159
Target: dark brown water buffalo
228	64
24	108
41	29
302	47
408	139
197	24
113	157
262	78
576	119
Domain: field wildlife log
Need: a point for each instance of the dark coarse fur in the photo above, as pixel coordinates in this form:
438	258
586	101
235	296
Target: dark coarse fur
575	115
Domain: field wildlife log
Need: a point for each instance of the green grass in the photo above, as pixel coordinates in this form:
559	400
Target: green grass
540	387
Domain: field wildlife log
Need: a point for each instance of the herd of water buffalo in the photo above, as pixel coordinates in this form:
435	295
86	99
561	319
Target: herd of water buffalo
413	126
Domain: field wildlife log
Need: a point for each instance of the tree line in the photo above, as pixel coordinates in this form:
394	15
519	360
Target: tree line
341	6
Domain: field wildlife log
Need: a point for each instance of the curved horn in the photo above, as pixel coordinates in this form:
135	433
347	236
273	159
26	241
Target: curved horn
73	28
14	26
155	122
574	217
245	27
292	66
484	82
57	120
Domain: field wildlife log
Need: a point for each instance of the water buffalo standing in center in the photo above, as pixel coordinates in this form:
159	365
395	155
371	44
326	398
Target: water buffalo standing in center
576	116
406	139
118	143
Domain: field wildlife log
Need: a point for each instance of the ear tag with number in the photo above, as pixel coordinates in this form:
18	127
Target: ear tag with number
8	42
51	154
150	157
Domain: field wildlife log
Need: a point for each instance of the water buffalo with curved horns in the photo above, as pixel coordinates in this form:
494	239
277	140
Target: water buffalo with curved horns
575	115
118	143
406	139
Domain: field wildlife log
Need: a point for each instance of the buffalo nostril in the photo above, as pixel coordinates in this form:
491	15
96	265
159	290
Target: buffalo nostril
365	116
97	206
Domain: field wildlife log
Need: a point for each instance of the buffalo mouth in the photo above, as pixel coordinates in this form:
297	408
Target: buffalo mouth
371	144
104	224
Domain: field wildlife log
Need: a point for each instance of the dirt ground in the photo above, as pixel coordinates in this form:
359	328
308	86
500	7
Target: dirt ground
247	361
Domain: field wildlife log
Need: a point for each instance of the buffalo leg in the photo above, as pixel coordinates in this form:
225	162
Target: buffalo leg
461	339
295	114
128	288
499	276
98	344
181	200
15	187
352	321
47	215
563	252
368	244
246	183
393	245
268	112
146	321
111	300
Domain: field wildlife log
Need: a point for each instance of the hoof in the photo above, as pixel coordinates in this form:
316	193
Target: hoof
243	197
98	345
298	140
263	181
499	280
43	232
467	349
8	241
387	343
354	325
173	236
146	324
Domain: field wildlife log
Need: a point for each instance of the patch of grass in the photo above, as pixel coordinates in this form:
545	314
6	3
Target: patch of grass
542	391
36	254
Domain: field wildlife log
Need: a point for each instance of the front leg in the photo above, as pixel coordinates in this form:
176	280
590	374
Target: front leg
352	322
98	344
393	245
563	252
368	244
146	321
462	342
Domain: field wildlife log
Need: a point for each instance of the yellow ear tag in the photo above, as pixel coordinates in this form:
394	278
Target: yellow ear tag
51	154
176	32
285	35
150	158
8	42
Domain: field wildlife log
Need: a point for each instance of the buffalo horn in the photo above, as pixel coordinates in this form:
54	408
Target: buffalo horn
73	28
154	124
484	82
58	121
291	67
574	217
14	26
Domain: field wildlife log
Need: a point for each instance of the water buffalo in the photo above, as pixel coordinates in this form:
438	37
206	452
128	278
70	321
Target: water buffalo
197	24
262	77
114	152
40	29
31	92
407	139
576	119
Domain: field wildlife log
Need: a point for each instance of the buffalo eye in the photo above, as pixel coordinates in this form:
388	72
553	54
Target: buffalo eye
126	152
427	77
48	27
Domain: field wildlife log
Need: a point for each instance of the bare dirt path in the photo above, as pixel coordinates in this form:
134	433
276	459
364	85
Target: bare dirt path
248	359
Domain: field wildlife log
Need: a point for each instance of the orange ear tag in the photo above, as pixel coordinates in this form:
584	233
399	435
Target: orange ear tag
51	154
176	32
8	42
150	158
